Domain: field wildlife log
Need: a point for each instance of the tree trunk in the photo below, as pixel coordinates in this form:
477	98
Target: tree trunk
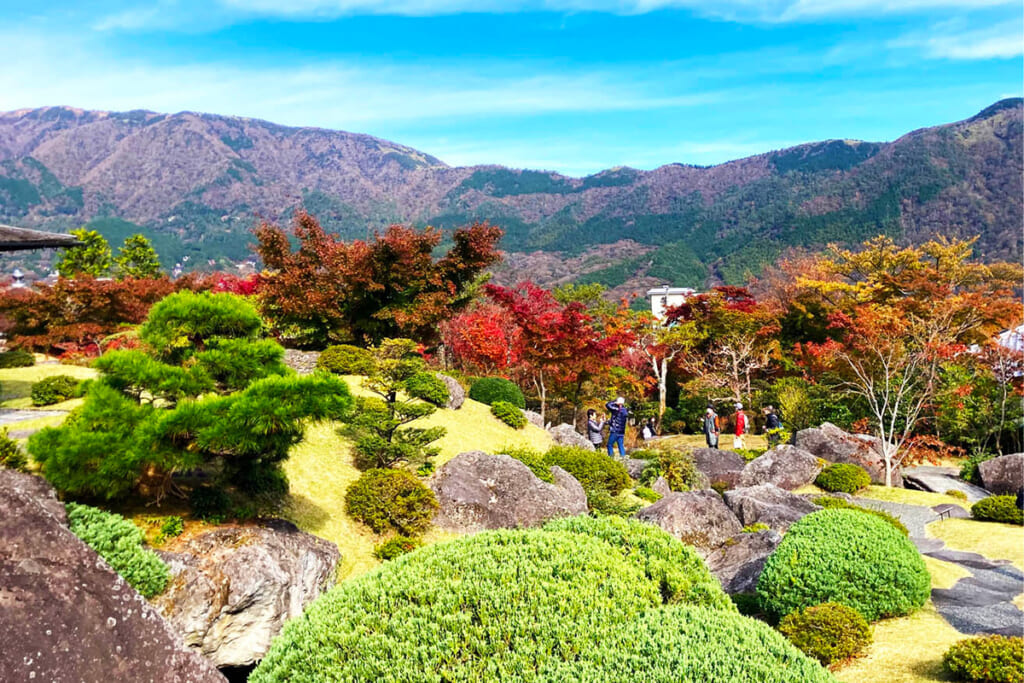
662	390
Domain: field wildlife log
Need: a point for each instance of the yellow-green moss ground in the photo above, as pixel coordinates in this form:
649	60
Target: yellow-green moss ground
911	497
993	540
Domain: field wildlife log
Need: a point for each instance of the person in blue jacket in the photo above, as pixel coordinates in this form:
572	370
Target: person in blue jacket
617	425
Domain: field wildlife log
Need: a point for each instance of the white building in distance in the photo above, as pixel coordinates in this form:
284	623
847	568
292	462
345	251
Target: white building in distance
664	297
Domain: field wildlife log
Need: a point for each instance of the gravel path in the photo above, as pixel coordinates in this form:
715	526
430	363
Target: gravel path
10	416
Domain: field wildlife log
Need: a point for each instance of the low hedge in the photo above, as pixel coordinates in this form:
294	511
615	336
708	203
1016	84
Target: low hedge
848	557
839	503
428	387
843	477
829	633
345	359
489	390
119	542
998	509
989	659
55	389
593	469
509	414
385	499
532	459
17	358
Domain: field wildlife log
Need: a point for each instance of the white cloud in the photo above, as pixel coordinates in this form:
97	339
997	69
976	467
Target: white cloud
952	40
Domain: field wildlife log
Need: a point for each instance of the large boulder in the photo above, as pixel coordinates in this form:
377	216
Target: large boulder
233	588
1003	475
768	504
566	435
65	615
941	480
785	466
697	518
661	487
719	466
738	563
456	394
831	443
478	491
534	418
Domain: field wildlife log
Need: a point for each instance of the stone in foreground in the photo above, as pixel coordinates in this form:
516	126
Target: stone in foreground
477	491
719	466
768	504
738	563
785	466
66	616
941	480
833	444
697	518
1003	475
233	588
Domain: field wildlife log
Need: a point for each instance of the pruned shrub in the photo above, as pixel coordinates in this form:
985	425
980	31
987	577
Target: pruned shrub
839	503
119	542
17	358
604	503
532	459
509	414
829	633
998	509
988	659
12	457
490	390
842	477
345	359
677	467
648	494
396	547
593	470
428	387
848	557
55	389
385	499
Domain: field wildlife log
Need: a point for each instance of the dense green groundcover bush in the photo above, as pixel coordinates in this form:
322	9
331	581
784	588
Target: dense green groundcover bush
988	659
346	359
17	358
839	503
829	633
491	389
843	477
55	389
428	387
648	494
12	457
674	644
594	470
532	459
998	509
676	466
680	574
119	542
385	499
844	556
396	547
509	414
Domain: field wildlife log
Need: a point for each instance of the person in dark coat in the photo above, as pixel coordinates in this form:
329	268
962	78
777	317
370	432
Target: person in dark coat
711	429
595	425
772	426
619	413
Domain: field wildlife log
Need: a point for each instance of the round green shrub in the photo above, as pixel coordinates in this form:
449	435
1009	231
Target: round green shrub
532	459
594	470
604	503
679	643
489	390
345	359
119	542
495	606
12	457
848	557
55	389
385	499
428	387
988	659
998	509
678	571
829	633
396	547
843	477
509	414
839	503
17	358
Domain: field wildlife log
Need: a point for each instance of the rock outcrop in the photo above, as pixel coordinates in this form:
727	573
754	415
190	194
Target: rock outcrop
456	394
534	418
697	518
768	504
302	362
785	466
719	466
635	467
941	480
478	491
738	562
833	444
1003	475
233	588
65	615
566	435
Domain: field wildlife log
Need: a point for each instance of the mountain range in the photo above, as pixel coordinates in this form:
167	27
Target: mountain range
195	184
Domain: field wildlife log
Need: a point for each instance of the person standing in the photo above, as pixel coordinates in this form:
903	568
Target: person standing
594	426
619	413
650	430
772	426
711	427
742	427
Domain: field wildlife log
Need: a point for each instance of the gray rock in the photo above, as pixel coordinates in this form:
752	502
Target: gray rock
302	362
661	487
1003	475
768	504
785	466
635	466
456	394
697	518
719	466
534	418
833	444
67	617
478	491
941	480
738	563
566	435
233	588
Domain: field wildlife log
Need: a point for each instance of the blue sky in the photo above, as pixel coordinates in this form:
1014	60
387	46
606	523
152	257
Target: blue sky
567	85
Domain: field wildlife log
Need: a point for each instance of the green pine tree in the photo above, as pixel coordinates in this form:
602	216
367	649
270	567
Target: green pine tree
92	258
137	258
